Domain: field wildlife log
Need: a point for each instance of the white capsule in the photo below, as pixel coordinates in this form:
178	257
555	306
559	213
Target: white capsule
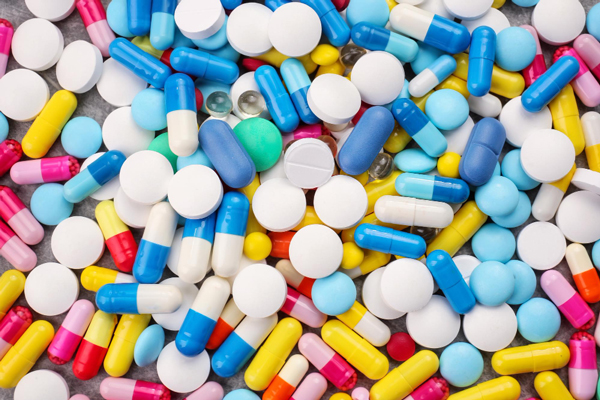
413	212
373	330
254	331
488	106
212	296
194	259
158	299
161	225
546	202
183	132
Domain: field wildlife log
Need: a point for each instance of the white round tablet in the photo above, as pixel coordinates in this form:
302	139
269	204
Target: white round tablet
276	171
29	94
558	22
341	203
468	10
199	20
118	85
145	177
51	289
494	18
259	290
316	251
173	260
294	29
173	321
490	328
434	6
547	155
132	213
120	132
37	44
458	138
520	123
373	300
77	242
245	262
586	179
379	77
248	29
195	191
541	245
406	285
434	326
42	384
55	10
109	189
333	98
180	373
79	67
308	163
278	205
466	264
578	217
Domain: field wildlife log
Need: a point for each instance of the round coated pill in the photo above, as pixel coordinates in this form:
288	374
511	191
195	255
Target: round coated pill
434	326
79	67
379	78
48	204
149	111
406	285
578	217
447	109
42	384
593	21
278	205
547	155
541	245
519	216
466	264
56	10
120	132
515	49
180	373
401	346
51	289
468	11
248	29
145	177
490	328
108	190
259	290
241	394
494	18
569	15
174	320
415	161
538	320
525	3
118	86
3	127
116	16
586	179
29	94
149	345
334	294
132	213
373	299
316	251
81	137
333	99
199	157
493	243
262	140
160	144
375	12
195	192
199	19
341	203
520	123
78	233
461	364
513	170
37	44
525	282
492	283
294	29
308	163
497	197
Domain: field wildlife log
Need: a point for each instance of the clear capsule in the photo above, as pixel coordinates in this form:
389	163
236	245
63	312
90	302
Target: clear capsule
382	166
219	104
350	54
251	103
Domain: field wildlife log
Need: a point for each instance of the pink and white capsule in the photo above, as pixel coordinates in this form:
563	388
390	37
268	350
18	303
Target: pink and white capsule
313	387
588	49
303	309
583	370
584	84
71	332
94	18
15	251
569	302
6	34
44	170
208	391
19	218
129	389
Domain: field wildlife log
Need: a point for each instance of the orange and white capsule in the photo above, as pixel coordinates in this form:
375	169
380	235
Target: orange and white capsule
286	381
584	274
227	322
294	278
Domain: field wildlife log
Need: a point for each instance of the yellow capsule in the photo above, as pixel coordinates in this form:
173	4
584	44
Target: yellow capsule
93	278
536	357
356	350
249	190
348	234
325	54
341	396
257	246
504	83
353	256
275	58
373	260
108	219
361	321
271	357
362	178
253	225
565	117
397	141
504	388
336	68
590	122
466	222
47	126
143	42
310	218
550	387
12	283
403	380
24	354
447	165
455	83
563	183
120	352
383	187
420	101
101	329
498	3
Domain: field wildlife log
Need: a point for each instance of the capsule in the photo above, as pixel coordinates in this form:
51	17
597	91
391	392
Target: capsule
482	151
93	278
481	61
94	345
418	126
590	122
436	188
297	82
90	180
118	237
17	253
550	387
538	66
208	391
139	16
135	298
583	370
45	170
24	354
196	245
359	319
180	100
565	117
162	25
156	243
229	319
535	357
388	240
466	223
334	26
313	387
94	18
504	83
19	218
379	188
120	352
71	332
6	34
143	64
434	389
241	345
12	327
284	384
373	37
413	212
303	309
12	283
568	301
10	153
432	76
450	280
230	229
584	274
203	65
130	389
588	49
403	380
549	197
503	388
372	261
293	278
278	100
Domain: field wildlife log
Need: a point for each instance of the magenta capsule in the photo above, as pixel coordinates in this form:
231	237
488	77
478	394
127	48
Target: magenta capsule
583	370
306	131
584	84
44	170
71	331
19	218
12	327
208	391
94	18
6	34
538	66
10	153
303	309
129	389
313	387
434	389
15	251
569	302
588	49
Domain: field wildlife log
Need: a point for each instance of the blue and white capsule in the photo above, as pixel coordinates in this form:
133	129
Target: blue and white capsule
432	76
133	298
203	65
230	229
297	81
373	37
436	188
97	174
139	62
194	256
419	127
155	246
139	16
241	345
388	240
162	27
334	26
482	55
277	98
202	317
180	100
450	280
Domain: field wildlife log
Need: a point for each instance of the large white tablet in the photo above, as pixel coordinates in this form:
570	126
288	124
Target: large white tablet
558	22
259	290
174	320
541	245
490	328
80	67
341	203
578	217
434	326
547	155
132	213
468	10
520	123
110	188
77	242
179	373
42	384
333	99
494	18
145	177
308	163
55	10
248	29
195	191
278	205
294	29
586	179
118	85
37	44
51	289
379	77
406	285
373	300
199	20
316	251
29	94
120	132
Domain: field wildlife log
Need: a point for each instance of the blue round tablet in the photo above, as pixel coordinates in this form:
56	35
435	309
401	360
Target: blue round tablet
48	205
227	52
334	294
593	21
596	254
519	216
181	40
538	320
148	109
513	170
526	3
81	137
461	364
373	11
498	197
497	170
116	15
492	283
447	109
415	161
149	345
199	157
494	243
525	282
215	41
3	127
515	49
241	394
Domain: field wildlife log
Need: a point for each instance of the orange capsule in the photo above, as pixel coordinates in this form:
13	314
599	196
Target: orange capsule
281	243
584	274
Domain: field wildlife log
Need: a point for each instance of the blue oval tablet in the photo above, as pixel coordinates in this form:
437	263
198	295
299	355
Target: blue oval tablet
414	161
3	127
116	16
149	345
461	364
48	204
525	282
492	283
149	109
515	49
513	170
493	243
81	137
480	157
519	216
335	294
447	109
593	21
498	197
538	320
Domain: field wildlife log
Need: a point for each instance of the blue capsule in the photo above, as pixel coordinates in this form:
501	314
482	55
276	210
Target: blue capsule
373	37
481	61
425	57
180	93
482	151
231	356
297	81
139	62
277	98
133	298
162	27
388	240
230	4
139	15
334	26
419	127
436	188
451	281
203	65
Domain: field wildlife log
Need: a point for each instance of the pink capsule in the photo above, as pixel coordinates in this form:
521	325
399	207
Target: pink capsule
10	153
303	309
569	302
6	34
584	84
313	387
44	170
538	66
15	251
583	370
12	327
19	218
129	389
360	393
305	131
588	49
94	18
208	391
434	389
71	331
79	397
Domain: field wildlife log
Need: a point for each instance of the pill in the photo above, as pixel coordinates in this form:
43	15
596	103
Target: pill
13	326
69	335
179	373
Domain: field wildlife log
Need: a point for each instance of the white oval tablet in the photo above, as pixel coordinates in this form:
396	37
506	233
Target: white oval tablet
132	213
55	10
79	67
520	123
42	384
316	251
109	190
278	205
541	245
145	177
308	163
37	44
406	285
490	328
120	132
547	155
434	326
558	22
195	191
468	10
77	242
199	20
458	138
51	289
29	94
244	83
179	373
373	300
494	18
294	29
248	29
173	260
118	85
466	264
333	98
379	77
259	290
341	203
578	217
173	321
586	179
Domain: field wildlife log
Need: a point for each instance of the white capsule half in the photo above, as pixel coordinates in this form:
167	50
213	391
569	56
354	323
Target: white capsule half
373	330
227	253
183	132
413	212
488	106
254	331
546	202
194	257
158	299
161	225
212	297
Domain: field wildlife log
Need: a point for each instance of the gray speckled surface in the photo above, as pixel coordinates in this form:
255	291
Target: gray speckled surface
92	105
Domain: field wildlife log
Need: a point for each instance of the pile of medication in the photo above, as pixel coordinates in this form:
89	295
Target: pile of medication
262	164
